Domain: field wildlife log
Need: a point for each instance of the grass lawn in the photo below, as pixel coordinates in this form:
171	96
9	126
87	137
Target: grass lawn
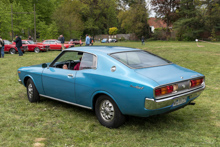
52	123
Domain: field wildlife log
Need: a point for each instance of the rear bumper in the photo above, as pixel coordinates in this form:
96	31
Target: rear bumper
152	104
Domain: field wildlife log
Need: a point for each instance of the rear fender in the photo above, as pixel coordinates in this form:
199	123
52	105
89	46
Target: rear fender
99	93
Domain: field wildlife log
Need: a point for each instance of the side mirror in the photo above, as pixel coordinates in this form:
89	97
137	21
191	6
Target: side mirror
44	65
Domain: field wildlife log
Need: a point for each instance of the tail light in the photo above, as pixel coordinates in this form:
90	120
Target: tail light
164	90
196	82
178	87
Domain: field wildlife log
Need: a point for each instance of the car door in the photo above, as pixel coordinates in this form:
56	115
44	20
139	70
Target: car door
7	45
86	80
26	43
59	83
53	45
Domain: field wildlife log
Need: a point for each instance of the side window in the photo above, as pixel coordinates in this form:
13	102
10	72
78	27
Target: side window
24	42
88	61
52	42
69	59
45	42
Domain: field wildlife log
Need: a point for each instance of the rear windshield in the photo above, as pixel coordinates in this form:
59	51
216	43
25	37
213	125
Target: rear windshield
139	59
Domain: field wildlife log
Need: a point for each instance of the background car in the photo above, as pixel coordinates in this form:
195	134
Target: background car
34	47
105	40
76	42
113	40
56	44
12	49
114	82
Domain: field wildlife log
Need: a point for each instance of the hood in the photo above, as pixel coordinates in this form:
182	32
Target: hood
39	65
168	73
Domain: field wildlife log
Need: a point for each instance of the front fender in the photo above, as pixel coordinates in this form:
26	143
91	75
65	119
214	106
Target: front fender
37	82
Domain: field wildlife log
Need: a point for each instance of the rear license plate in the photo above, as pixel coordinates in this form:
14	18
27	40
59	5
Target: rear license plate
179	101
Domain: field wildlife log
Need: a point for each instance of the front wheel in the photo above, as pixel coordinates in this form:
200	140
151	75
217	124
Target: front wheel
32	93
12	51
36	50
108	112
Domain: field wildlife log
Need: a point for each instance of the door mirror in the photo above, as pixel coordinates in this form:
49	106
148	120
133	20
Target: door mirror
44	65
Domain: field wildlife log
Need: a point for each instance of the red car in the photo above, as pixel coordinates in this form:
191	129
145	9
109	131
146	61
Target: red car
34	47
12	49
56	44
76	42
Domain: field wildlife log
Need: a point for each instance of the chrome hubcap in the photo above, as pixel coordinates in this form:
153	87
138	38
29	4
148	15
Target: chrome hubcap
37	50
107	110
13	51
30	91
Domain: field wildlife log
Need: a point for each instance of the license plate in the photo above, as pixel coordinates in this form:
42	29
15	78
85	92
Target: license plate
179	101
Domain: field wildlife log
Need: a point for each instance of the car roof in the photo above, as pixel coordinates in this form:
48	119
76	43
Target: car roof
102	49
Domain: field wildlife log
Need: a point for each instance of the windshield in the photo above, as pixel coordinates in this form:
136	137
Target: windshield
58	41
31	42
139	59
7	42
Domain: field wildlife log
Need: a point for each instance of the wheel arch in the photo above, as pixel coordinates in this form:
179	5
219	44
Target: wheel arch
97	94
12	49
26	79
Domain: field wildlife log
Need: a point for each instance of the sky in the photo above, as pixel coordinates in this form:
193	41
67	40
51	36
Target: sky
152	13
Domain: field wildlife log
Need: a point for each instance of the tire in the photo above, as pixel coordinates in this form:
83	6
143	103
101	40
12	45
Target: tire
32	93
36	50
108	112
12	51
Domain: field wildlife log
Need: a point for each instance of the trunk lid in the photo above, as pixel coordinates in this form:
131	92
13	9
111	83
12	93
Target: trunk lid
168	73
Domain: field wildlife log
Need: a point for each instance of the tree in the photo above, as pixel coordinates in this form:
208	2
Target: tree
197	17
98	15
5	15
113	31
134	18
68	19
189	24
166	9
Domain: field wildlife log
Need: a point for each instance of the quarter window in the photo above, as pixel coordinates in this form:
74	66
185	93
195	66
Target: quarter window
88	61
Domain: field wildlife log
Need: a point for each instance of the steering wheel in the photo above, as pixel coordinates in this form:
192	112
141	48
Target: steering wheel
69	61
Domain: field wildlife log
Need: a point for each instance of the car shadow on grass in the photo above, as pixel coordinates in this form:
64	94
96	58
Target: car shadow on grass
166	121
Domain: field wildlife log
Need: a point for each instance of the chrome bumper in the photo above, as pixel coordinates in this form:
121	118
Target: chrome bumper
152	104
19	81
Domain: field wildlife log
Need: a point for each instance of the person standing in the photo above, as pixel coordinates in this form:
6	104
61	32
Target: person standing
30	38
2	49
142	40
1	45
87	40
80	41
18	45
62	40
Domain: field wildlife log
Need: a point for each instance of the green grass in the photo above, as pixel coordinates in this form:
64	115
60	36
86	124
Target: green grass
24	124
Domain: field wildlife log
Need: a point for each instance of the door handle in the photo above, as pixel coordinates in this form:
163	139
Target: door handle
70	75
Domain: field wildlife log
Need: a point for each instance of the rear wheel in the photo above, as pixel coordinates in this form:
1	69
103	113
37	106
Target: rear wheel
36	50
108	112
12	51
32	93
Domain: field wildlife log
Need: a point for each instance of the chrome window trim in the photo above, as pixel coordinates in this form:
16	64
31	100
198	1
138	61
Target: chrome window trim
65	101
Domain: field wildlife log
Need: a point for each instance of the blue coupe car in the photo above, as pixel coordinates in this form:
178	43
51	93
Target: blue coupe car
105	40
114	82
